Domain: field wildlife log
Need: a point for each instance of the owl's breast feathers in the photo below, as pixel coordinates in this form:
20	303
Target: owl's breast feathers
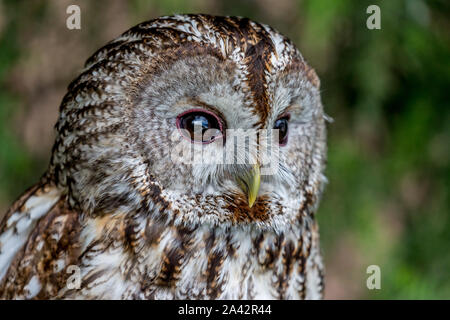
38	238
132	256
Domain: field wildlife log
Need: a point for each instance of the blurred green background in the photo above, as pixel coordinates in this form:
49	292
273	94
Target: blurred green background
387	202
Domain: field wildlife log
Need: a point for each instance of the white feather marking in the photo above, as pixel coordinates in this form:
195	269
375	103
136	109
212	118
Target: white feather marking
12	240
33	287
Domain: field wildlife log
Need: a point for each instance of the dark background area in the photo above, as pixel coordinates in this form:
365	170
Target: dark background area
387	202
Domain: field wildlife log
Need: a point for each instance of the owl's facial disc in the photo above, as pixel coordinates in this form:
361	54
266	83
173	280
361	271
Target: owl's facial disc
203	126
190	108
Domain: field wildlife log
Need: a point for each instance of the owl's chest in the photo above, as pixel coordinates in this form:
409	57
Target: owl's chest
215	266
210	265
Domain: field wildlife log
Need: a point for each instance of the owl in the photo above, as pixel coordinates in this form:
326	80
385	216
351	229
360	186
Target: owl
123	212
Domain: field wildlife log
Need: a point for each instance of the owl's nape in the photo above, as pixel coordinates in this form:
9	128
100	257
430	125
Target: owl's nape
139	224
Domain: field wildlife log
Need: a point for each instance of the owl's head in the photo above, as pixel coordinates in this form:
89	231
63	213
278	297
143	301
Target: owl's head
194	119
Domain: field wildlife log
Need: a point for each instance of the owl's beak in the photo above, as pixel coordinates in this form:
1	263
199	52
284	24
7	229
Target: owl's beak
249	182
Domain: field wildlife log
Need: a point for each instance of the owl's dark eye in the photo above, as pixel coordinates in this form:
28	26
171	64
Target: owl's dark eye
282	125
200	125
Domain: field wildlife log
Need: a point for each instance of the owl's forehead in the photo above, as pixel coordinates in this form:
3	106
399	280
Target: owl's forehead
260	54
235	37
256	48
251	45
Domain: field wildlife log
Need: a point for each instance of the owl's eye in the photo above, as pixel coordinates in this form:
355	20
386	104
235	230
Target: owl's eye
282	124
200	125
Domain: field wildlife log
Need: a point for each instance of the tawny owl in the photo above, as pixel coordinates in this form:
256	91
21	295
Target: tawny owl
119	211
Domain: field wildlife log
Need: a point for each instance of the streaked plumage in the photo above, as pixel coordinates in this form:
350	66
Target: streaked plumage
140	226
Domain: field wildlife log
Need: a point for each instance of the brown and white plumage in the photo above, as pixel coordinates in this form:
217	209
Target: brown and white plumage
140	226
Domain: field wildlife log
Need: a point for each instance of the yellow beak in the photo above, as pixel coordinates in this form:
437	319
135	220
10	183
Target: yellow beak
250	182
